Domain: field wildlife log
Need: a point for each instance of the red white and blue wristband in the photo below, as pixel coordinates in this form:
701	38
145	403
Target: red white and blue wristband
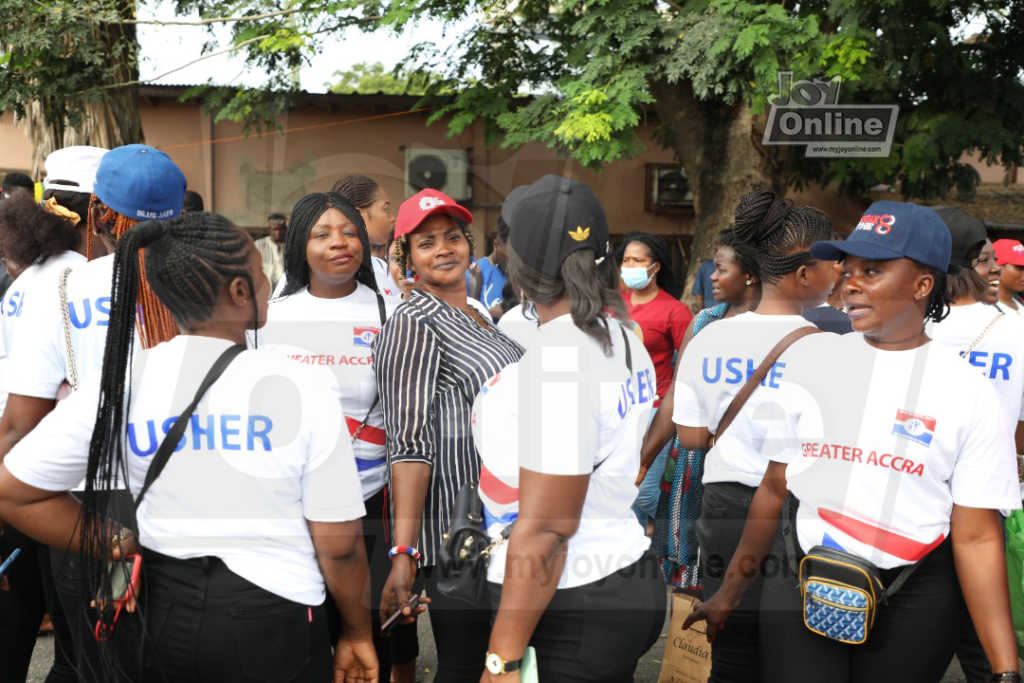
405	550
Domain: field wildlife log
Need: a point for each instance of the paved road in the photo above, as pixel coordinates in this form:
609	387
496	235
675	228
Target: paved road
647	671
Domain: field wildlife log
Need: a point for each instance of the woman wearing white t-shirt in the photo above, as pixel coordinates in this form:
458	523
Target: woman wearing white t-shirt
256	511
895	452
328	316
1010	254
374	205
716	364
987	266
559	438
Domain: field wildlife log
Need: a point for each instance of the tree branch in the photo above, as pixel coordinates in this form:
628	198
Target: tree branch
185	66
225	20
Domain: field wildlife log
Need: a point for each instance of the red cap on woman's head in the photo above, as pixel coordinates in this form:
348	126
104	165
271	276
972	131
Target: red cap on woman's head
423	205
1009	252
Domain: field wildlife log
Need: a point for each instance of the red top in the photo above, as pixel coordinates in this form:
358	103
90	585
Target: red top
663	321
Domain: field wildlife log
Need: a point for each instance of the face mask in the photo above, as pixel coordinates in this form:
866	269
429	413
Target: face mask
636	278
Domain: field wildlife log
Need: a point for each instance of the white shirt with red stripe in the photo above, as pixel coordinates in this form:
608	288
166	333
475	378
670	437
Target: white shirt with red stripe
879	445
337	335
567	409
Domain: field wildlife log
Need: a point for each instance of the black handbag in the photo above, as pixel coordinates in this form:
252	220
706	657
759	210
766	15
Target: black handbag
466	553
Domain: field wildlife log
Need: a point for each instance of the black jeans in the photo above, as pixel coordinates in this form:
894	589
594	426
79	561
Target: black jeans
22	607
912	640
64	668
204	623
461	633
734	654
598	632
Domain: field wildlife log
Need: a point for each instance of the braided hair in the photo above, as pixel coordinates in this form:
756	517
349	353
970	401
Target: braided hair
189	259
156	324
660	253
745	255
939	301
781	233
306	213
358	190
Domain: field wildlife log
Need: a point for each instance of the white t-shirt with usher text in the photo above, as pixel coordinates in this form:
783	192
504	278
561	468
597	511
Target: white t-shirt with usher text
39	361
714	367
879	445
998	356
337	335
34	288
264	453
566	408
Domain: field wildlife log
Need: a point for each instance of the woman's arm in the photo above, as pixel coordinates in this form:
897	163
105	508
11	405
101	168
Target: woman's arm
341	554
756	542
980	560
549	515
50	517
662	428
406	364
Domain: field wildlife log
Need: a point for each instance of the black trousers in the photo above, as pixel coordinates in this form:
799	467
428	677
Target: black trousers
461	633
206	624
22	607
912	640
598	632
734	654
64	668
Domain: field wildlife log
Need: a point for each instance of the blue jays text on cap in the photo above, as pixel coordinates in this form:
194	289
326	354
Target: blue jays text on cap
892	230
141	183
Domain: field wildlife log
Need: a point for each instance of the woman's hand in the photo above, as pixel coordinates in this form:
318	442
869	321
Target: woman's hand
355	661
398	589
715	612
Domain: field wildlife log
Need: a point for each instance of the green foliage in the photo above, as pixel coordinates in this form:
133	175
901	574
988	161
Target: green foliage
373	78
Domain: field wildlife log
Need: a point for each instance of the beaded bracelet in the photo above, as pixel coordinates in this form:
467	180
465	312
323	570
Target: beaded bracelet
405	550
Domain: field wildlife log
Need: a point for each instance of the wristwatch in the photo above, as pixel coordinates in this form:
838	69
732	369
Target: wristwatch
497	666
1006	677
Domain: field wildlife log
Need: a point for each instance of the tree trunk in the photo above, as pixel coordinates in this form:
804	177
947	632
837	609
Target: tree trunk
719	147
110	123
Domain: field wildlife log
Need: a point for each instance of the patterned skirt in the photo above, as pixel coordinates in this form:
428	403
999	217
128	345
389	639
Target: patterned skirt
675	538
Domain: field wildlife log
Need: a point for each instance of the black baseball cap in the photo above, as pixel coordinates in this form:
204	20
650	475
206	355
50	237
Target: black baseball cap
968	235
554	217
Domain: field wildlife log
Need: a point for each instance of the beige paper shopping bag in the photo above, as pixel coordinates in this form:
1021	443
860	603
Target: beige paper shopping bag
687	651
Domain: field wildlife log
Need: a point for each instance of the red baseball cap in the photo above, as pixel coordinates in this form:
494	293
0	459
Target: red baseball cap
423	205
1009	252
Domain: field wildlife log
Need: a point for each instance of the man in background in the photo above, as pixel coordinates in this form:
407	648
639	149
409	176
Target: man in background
271	249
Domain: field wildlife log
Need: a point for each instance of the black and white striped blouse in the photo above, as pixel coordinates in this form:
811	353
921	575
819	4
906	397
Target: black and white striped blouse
430	361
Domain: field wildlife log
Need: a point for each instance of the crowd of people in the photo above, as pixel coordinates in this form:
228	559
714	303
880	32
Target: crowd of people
236	460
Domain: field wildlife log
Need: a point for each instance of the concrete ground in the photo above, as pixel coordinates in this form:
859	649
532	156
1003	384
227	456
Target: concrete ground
647	671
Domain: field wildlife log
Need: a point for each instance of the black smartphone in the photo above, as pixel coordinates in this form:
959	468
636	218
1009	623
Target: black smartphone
388	626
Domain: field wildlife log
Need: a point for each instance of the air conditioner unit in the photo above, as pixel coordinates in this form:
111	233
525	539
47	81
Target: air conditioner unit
446	170
668	191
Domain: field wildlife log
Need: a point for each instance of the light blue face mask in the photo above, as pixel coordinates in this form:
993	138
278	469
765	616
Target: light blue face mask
636	278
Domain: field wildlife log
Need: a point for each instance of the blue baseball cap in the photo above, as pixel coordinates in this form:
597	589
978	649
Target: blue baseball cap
892	230
141	183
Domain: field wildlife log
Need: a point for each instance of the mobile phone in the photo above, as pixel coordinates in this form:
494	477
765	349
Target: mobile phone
528	672
124	580
9	561
388	626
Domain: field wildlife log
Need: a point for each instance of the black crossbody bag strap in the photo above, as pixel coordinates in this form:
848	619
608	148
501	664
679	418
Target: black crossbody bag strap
167	446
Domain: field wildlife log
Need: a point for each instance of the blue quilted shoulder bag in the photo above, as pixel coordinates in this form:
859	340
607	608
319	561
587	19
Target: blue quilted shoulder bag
841	593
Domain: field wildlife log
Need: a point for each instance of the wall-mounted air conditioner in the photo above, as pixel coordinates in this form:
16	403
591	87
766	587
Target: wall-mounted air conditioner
446	170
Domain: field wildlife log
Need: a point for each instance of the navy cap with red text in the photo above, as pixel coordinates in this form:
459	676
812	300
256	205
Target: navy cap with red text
892	230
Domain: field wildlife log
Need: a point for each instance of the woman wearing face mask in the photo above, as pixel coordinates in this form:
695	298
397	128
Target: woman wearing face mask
431	357
736	286
1010	254
646	269
712	371
894	452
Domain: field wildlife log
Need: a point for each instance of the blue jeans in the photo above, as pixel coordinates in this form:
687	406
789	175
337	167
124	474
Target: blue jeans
646	504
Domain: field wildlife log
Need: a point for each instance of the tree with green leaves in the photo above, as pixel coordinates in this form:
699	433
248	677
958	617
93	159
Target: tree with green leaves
69	72
373	78
582	75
